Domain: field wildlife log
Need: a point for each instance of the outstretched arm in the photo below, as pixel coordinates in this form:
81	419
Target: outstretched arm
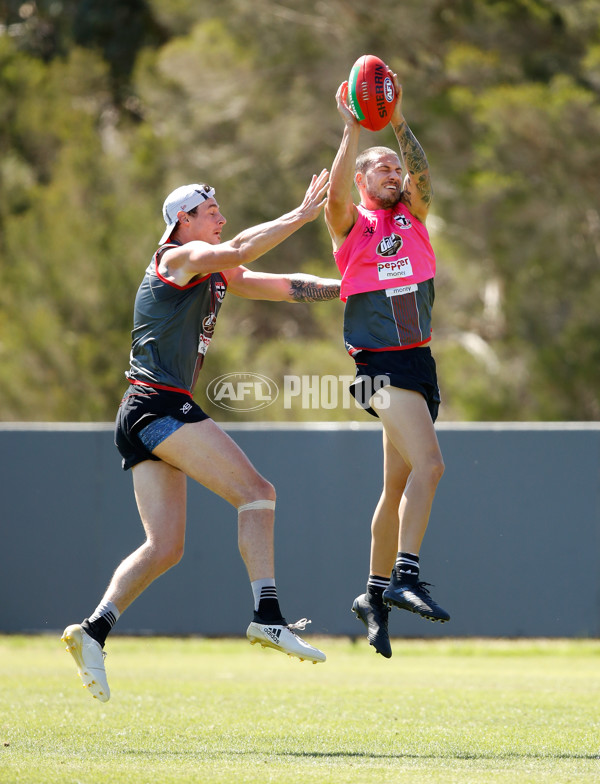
294	287
202	258
340	211
417	190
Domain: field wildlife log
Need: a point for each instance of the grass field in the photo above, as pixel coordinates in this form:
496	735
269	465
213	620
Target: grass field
221	711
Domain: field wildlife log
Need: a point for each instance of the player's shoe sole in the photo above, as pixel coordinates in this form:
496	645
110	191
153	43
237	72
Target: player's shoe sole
375	618
284	638
89	658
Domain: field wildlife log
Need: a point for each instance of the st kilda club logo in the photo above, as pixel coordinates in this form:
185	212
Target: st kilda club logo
220	289
402	221
389	246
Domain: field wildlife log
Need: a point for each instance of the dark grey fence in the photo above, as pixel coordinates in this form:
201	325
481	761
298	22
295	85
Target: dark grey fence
513	545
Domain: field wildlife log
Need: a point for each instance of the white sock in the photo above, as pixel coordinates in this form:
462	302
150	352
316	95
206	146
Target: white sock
263	589
106	610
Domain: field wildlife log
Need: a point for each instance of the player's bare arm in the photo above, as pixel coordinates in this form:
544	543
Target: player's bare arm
294	287
308	288
202	252
340	211
417	188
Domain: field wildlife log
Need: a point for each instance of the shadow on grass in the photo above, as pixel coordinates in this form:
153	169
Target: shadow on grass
367	755
425	755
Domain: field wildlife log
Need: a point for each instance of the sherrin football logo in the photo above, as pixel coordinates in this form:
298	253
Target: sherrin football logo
380	90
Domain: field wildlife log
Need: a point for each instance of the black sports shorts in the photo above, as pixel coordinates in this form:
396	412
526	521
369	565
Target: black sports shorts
142	405
409	368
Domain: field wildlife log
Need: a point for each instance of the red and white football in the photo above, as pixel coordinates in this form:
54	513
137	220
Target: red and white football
371	92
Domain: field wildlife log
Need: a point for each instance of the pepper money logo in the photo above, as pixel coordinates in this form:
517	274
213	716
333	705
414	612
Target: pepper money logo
242	391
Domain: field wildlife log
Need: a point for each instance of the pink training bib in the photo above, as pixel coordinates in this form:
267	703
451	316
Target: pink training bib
385	248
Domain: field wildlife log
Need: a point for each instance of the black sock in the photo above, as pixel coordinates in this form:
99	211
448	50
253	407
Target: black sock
407	567
376	585
269	612
97	629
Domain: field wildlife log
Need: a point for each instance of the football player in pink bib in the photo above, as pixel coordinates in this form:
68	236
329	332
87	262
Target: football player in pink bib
382	249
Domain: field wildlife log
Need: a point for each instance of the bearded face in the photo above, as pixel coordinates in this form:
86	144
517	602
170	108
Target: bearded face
381	182
386	195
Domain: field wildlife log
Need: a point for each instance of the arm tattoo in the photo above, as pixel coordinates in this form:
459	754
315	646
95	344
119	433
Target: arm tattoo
309	289
415	160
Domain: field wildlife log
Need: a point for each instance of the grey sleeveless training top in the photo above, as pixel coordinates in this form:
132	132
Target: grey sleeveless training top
173	327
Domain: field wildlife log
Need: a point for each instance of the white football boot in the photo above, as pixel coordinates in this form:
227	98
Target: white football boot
284	638
89	657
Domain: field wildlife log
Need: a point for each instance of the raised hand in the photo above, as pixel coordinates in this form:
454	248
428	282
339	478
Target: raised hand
341	98
316	196
397	117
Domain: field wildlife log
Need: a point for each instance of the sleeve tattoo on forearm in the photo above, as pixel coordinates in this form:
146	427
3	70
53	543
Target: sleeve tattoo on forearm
415	160
313	290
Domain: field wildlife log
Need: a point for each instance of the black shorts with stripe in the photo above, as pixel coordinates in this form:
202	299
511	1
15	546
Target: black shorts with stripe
410	368
142	405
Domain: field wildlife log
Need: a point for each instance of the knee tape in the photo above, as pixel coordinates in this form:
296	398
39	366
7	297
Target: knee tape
256	505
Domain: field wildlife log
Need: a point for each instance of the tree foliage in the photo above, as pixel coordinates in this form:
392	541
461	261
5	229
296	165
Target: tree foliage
106	106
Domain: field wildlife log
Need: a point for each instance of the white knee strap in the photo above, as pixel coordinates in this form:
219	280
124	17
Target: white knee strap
256	505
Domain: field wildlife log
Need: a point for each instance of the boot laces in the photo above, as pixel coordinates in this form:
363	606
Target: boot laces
299	625
421	586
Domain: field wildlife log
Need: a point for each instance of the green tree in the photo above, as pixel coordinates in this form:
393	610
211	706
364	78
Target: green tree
105	107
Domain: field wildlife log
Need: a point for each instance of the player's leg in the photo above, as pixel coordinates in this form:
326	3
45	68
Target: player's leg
385	523
203	451
409	427
161	497
160	494
370	607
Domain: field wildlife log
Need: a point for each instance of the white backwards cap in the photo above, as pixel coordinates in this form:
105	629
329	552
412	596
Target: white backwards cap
184	199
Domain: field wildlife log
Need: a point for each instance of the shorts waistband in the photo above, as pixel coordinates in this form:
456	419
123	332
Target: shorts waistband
163	387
